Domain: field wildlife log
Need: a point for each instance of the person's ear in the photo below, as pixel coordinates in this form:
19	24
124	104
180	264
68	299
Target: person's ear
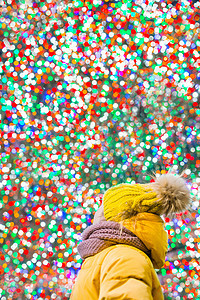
99	215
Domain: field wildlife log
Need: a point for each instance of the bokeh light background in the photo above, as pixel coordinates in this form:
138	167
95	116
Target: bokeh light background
92	94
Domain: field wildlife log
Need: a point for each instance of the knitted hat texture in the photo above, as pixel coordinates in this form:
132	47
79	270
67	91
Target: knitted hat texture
167	195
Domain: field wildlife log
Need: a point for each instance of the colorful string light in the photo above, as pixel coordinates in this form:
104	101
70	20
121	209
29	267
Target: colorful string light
92	93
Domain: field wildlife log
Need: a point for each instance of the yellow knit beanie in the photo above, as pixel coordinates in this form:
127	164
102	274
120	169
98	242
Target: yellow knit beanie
167	195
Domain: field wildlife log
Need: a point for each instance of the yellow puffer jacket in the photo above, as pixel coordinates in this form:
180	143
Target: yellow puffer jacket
123	272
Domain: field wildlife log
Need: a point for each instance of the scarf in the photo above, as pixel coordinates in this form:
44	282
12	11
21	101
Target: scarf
98	237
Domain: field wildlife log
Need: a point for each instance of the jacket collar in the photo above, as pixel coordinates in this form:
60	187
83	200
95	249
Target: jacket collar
149	228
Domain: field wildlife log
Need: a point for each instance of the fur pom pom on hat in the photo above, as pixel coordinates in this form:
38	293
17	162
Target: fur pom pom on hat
167	195
172	192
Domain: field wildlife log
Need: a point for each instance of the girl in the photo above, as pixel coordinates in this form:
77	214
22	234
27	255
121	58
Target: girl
127	241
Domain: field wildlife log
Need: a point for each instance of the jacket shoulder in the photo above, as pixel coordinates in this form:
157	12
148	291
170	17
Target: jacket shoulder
123	261
129	253
126	261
